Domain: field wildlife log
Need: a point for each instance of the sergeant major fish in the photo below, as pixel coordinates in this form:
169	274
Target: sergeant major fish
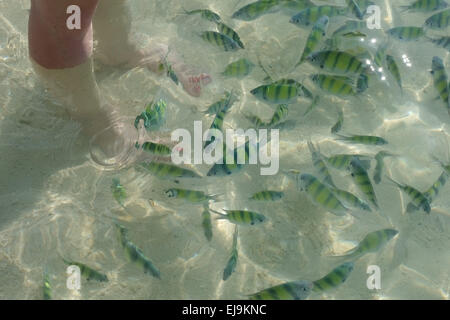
295	290
232	261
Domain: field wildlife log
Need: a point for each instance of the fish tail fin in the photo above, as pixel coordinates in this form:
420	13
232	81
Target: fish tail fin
221	215
397	184
215	197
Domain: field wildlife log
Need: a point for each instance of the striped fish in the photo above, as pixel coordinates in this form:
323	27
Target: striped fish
241	217
425	5
193	196
320	165
434	190
337	85
355	9
440	80
379	157
342	161
310	15
340	122
394	70
304	92
317	33
380	55
295	290
406	33
205	14
350	200
321	194
443	42
156	148
230	33
232	261
256	121
87	272
440	20
334	279
153	116
368	140
217	124
206	224
164	170
362	83
232	161
362	181
223	104
372	242
255	10
417	197
118	191
280	114
239	68
47	287
349	26
135	254
267	195
336	62
277	93
220	40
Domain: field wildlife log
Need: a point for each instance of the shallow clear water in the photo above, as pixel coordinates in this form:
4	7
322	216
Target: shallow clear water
54	201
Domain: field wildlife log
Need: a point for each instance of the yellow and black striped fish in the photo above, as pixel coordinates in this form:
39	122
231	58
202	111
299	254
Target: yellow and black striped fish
295	290
417	197
242	217
362	181
256	9
193	196
425	5
443	42
239	68
406	33
342	161
321	194
320	165
334	279
440	80
277	93
336	62
440	20
164	170
368	140
232	261
310	15
232	161
280	114
267	195
87	272
135	254
394	70
337	85
372	242
317	33
205	14
223	104
350	200
220	40
230	33
156	148
153	116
